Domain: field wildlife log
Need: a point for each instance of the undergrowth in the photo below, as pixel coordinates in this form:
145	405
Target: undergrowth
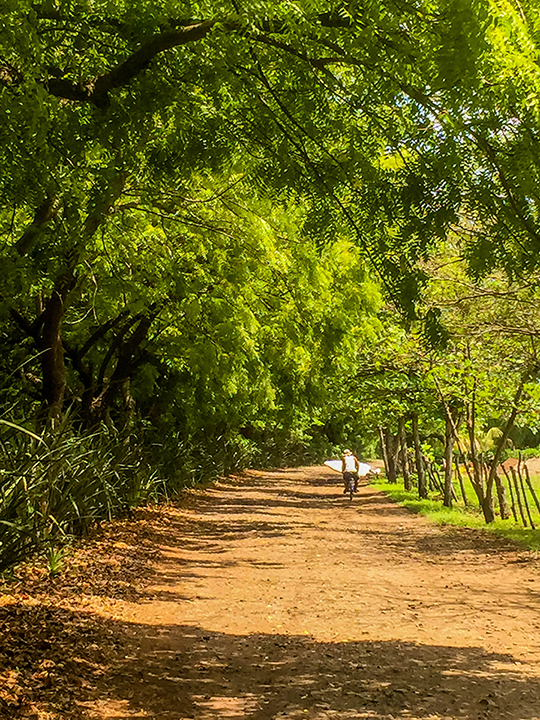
53	489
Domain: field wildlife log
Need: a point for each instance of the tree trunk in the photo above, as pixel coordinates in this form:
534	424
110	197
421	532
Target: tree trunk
52	359
388	439
478	482
512	500
487	508
501	495
434	478
420	469
518	495
47	329
477	477
524	493
460	479
396	455
448	464
118	383
129	403
404	454
382	440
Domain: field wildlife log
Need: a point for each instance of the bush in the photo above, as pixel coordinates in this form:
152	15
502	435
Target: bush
526	453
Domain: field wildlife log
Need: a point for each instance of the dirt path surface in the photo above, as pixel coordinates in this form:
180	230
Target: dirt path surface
279	598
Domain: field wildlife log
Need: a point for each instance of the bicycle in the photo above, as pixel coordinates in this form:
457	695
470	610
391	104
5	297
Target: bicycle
351	481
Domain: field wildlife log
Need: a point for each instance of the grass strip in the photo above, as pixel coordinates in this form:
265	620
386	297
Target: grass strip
459	516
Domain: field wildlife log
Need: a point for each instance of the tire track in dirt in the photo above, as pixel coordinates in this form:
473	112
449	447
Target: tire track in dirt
277	597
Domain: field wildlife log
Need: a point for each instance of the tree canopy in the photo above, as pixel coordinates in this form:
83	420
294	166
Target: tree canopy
214	216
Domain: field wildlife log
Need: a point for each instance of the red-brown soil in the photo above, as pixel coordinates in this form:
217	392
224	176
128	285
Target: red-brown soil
532	463
274	596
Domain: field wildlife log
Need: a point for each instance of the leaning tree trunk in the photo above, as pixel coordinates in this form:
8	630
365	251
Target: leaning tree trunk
487	508
119	381
460	479
420	469
382	440
46	331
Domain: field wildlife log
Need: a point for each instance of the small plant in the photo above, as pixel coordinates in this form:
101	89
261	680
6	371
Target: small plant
55	560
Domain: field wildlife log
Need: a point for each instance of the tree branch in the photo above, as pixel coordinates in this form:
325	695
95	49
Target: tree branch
125	72
115	344
44	213
23	323
97	91
519	209
100	332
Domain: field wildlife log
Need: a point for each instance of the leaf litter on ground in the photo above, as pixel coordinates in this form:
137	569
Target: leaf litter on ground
55	642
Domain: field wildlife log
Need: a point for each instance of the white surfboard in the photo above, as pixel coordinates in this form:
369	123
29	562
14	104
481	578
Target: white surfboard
363	468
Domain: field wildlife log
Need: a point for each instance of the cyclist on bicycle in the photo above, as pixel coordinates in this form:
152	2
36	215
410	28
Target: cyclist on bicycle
349	468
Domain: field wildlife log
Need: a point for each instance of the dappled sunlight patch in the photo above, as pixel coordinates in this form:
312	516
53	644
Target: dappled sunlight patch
206	674
223	706
379	615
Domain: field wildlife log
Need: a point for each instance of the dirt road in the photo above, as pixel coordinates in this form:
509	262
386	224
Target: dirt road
279	598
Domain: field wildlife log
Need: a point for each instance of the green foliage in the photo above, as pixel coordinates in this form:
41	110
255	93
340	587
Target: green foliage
525	453
204	208
55	560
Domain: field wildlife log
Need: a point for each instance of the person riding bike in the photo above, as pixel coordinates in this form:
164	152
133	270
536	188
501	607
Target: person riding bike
349	468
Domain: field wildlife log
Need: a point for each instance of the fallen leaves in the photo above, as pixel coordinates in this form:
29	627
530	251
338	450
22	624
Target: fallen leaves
55	642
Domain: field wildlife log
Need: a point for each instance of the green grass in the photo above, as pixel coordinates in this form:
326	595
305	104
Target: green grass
470	516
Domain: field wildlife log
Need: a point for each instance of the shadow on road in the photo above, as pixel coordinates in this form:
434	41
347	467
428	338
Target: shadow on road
174	672
195	673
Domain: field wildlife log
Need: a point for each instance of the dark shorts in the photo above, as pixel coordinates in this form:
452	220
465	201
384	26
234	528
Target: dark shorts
348	477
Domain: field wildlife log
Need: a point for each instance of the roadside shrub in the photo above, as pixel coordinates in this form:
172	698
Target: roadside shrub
54	488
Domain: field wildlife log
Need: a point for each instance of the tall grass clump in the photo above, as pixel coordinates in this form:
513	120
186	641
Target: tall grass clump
54	487
59	485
